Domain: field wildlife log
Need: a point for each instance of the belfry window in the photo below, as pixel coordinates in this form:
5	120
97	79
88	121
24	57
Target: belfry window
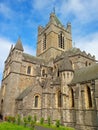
44	41
61	40
29	70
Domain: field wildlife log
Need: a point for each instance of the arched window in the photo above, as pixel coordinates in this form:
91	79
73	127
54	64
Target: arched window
61	40
1	101
71	98
86	63
44	41
1	105
59	99
29	70
37	101
43	73
58	73
88	97
3	90
71	62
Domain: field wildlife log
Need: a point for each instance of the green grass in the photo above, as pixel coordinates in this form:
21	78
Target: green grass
55	128
10	126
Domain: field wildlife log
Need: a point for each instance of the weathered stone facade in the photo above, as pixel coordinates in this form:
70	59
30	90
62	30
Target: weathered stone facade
61	82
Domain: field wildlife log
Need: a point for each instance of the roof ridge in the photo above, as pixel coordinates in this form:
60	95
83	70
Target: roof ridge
33	56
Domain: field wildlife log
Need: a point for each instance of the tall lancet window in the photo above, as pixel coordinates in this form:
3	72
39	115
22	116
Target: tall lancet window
36	101
59	99
44	41
88	97
29	70
61	40
71	98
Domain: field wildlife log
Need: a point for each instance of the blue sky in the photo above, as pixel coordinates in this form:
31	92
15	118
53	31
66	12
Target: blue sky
22	18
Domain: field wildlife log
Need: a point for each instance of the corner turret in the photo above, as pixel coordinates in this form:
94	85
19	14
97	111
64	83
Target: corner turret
69	27
66	70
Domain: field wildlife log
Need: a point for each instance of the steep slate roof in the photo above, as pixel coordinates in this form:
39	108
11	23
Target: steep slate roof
33	59
24	93
65	65
57	20
85	74
19	45
73	52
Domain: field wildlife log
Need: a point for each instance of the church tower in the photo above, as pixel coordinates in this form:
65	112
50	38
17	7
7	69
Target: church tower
53	39
10	81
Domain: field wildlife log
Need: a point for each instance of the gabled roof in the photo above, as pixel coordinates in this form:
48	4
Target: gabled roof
24	93
33	59
57	21
18	45
73	52
77	51
85	74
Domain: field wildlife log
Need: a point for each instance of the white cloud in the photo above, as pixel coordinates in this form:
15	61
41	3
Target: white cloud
40	4
29	50
4	50
89	43
83	11
5	10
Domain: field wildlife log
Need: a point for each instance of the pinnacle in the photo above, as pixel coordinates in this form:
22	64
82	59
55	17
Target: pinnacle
19	45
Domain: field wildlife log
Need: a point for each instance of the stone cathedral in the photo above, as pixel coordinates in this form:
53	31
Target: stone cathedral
60	82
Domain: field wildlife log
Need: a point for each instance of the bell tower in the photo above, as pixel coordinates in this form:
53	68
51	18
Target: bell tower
54	38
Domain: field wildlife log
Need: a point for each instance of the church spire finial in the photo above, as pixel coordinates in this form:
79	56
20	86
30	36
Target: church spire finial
54	9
